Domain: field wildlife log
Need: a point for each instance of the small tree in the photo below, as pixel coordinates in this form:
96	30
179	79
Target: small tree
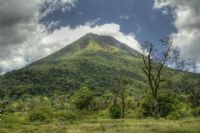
82	98
155	68
119	90
115	110
115	90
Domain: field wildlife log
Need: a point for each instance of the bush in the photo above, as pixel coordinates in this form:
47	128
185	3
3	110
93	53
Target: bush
38	116
97	103
174	116
167	101
82	98
115	112
135	113
12	118
67	115
196	111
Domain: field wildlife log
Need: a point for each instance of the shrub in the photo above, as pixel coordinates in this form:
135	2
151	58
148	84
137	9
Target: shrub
174	116
67	115
196	111
167	101
38	116
82	98
115	112
97	104
135	113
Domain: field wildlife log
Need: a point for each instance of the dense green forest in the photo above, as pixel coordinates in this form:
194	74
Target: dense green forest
85	80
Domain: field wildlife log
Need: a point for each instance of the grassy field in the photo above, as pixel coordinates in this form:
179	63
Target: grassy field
105	126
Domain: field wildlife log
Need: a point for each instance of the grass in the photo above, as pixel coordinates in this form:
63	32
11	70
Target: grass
104	126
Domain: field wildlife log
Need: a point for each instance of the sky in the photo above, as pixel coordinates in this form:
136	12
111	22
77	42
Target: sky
33	29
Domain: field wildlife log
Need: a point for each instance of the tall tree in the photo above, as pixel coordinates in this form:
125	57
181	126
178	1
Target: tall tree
155	66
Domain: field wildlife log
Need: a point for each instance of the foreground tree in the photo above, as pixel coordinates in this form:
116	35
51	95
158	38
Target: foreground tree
155	67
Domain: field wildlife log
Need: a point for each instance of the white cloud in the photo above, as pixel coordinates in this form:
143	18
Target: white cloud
165	12
21	32
187	22
66	35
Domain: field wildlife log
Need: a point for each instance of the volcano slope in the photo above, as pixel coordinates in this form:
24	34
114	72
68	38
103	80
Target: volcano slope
94	61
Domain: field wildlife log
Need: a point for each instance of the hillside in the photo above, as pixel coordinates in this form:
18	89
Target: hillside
93	61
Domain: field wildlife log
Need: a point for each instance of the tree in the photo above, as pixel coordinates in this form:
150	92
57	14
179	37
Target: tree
155	67
119	90
123	83
82	98
115	110
115	89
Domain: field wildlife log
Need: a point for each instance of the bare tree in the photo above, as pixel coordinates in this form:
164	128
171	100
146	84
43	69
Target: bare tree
155	67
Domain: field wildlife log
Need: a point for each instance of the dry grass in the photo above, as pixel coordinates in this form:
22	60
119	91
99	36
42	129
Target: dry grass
106	126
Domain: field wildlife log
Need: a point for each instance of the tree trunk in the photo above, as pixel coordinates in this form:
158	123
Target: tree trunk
156	109
123	107
123	99
115	99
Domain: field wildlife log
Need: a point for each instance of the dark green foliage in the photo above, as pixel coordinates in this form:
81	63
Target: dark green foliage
82	98
67	115
115	111
196	111
98	103
38	116
174	116
167	101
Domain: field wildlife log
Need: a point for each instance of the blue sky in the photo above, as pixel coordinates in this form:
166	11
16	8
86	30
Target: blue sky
136	16
33	29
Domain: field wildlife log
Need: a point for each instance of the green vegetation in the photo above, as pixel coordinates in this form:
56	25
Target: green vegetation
88	86
105	126
115	112
82	98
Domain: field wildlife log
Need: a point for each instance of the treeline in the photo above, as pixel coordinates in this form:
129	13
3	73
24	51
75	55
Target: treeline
84	104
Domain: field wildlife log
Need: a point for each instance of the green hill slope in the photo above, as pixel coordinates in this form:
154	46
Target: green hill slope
93	61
